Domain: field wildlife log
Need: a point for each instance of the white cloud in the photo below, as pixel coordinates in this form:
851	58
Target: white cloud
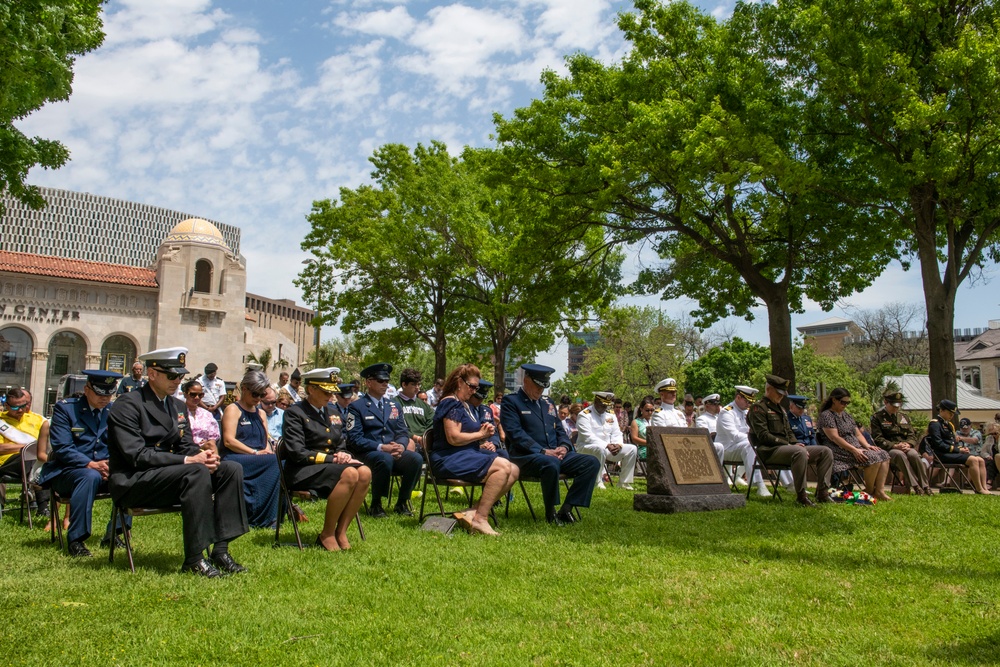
574	24
395	22
347	79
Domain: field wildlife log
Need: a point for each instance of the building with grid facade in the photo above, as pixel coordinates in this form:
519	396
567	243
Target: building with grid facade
79	225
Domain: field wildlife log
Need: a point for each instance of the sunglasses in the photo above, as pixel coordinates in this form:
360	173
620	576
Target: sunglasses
688	402
196	394
473	387
172	376
258	394
386	381
268	402
647	409
15	408
843	402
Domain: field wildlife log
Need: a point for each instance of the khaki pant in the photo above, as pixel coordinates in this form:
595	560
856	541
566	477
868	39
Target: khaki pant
909	463
799	458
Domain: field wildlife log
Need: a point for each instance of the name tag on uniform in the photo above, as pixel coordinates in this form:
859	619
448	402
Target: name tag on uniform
369	416
525	412
77	429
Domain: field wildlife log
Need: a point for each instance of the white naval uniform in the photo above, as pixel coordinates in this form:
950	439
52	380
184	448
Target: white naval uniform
668	415
595	432
709	421
733	429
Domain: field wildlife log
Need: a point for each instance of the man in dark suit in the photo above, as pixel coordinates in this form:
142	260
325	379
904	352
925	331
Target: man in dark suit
154	463
539	445
377	435
77	467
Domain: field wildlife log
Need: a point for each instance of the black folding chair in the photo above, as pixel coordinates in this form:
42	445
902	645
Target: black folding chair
950	470
55	525
118	514
429	477
769	471
28	454
286	506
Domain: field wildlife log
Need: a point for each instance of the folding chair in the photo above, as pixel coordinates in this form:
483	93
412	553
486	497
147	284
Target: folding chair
119	513
468	487
55	525
29	454
949	485
285	505
769	471
729	468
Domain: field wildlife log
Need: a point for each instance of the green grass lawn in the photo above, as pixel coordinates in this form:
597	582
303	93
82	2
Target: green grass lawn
914	581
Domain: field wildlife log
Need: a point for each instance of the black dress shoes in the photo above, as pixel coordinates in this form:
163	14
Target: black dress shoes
202	568
566	516
377	512
119	543
402	510
225	563
554	519
803	499
79	550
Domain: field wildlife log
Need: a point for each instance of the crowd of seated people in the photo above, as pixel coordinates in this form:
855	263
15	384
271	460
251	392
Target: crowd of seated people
159	441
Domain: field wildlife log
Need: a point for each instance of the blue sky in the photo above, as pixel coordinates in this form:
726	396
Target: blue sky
247	111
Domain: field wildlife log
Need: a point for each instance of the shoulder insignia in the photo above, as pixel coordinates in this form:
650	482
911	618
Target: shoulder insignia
586	411
728	407
658	410
350	421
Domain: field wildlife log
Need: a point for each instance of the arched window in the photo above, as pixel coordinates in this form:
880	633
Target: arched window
203	276
15	357
67	354
118	354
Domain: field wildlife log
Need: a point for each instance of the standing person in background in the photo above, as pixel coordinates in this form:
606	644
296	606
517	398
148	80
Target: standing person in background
215	391
295	385
133	381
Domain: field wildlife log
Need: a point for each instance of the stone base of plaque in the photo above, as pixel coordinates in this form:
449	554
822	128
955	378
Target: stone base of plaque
661	504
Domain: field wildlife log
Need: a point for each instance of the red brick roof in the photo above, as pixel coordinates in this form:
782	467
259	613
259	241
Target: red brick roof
77	269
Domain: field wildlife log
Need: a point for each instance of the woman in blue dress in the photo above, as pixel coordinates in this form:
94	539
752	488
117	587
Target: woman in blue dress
461	448
245	440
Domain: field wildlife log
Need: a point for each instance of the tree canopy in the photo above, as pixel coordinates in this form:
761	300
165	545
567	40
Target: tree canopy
39	40
723	367
908	92
695	143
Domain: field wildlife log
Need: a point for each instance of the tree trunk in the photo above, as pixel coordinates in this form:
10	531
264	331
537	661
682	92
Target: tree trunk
499	365
440	355
939	298
779	327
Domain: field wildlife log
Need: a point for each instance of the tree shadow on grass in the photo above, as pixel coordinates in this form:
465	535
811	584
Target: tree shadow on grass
974	651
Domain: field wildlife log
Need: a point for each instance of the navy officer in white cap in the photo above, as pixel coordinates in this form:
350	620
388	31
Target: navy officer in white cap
600	436
378	437
541	448
153	462
77	467
667	414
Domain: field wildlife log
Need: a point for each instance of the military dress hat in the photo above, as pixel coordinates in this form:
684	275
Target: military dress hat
893	397
538	373
798	400
746	392
345	389
778	382
104	383
484	387
167	360
327	379
296	375
712	398
667	384
945	404
379	371
604	397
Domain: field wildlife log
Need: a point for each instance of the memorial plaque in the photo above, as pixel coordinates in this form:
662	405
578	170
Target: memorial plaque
692	459
116	363
683	474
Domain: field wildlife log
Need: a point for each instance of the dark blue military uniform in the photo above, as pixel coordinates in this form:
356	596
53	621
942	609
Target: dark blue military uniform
368	428
78	436
803	428
530	428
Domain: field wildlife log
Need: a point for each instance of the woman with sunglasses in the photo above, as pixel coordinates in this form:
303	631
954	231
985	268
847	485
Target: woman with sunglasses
461	448
841	433
245	441
204	428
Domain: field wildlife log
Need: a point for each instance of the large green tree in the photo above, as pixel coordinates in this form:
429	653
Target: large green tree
39	40
383	262
528	284
694	144
908	91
